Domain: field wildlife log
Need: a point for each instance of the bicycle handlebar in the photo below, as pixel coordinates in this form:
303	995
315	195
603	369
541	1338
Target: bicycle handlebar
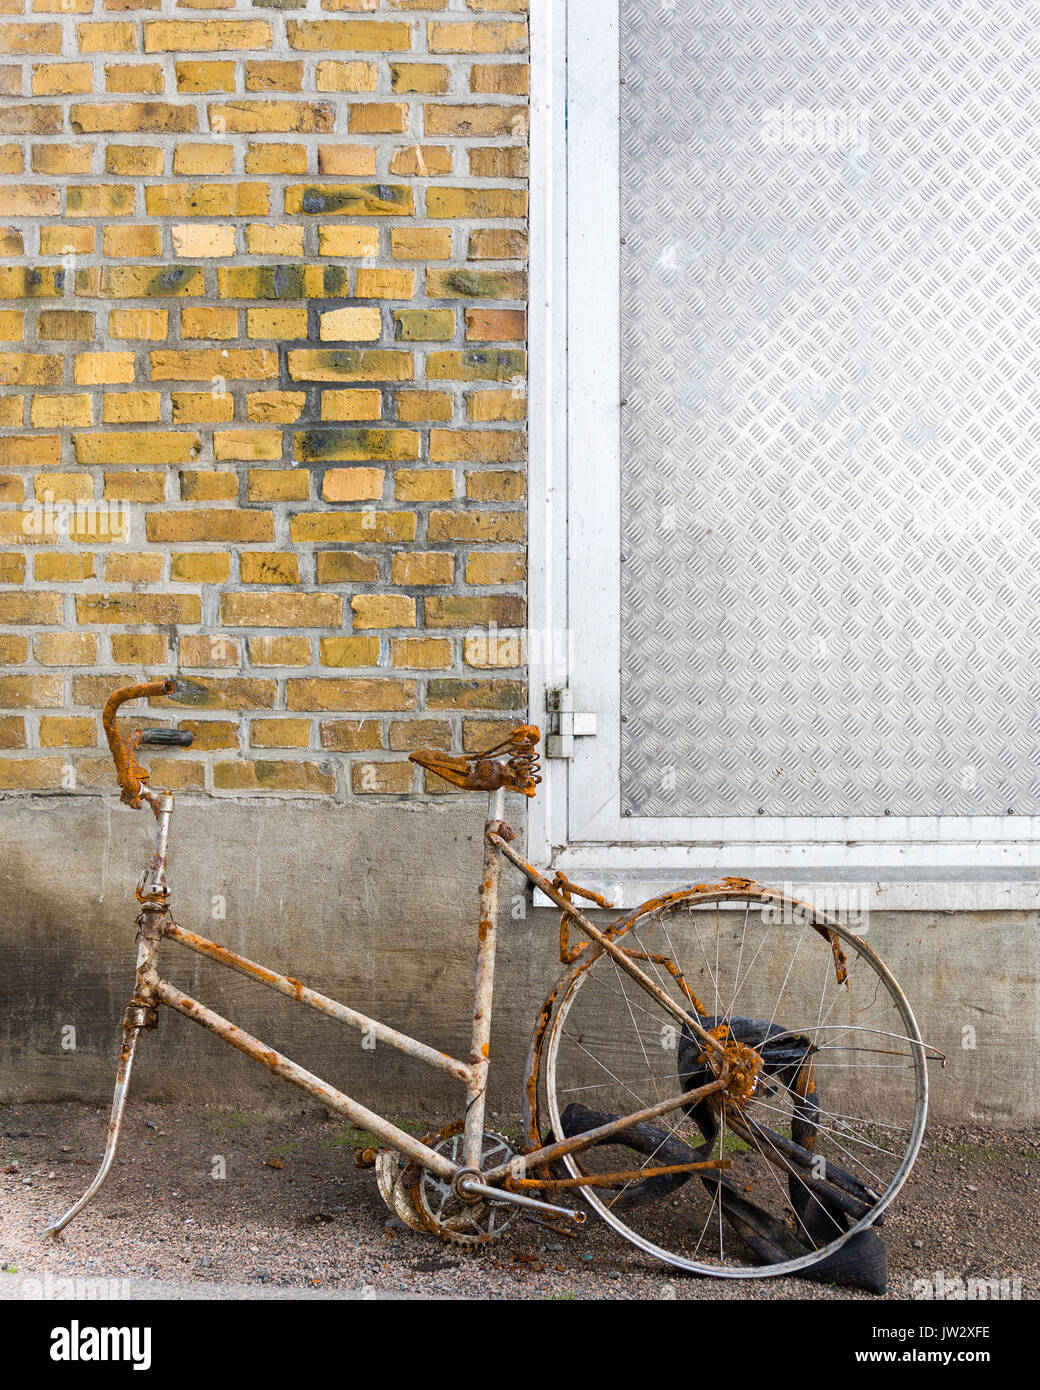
132	776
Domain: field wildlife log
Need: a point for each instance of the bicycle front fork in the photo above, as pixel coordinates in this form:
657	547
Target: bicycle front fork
141	1013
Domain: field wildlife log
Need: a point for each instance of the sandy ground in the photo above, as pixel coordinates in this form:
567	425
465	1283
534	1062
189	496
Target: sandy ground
293	1214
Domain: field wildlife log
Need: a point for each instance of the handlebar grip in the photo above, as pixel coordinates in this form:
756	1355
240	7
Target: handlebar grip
168	738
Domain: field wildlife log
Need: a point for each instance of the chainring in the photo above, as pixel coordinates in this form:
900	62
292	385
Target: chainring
467	1224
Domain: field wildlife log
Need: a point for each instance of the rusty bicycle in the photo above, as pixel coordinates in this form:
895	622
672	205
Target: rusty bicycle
729	1077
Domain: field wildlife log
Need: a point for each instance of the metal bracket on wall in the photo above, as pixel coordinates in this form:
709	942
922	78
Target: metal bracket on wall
565	723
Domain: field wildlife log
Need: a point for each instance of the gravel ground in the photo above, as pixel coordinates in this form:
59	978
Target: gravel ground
294	1214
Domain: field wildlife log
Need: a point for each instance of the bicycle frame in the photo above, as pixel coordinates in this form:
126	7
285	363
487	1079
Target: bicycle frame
155	925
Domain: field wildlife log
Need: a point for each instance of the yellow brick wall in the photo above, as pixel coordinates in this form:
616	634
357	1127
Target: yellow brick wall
262	363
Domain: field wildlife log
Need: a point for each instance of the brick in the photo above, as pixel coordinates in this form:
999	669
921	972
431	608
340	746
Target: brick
135	649
424	484
383	610
280	651
206	321
273	117
270	281
382	778
11	490
133	569
384	283
62	159
147	325
351	735
247	445
495	567
279	485
29	369
275	407
276	323
349	651
26	119
12	731
201	407
420	243
29	282
378	118
425	79
14	650
350	200
281	610
447	283
424	325
30	451
358	76
357	693
499	162
477	120
347	161
496	325
418	568
63	569
231	692
29	692
449	693
356	444
60	411
484	446
346	567
208	485
253	364
208	651
276	159
485	526
148	116
140	160
206	36
31	774
350	364
355	323
348	241
499	79
64	731
209	241
262	775
136	610
452	610
351	405
140	78
118	37
279	733
462	203
140	281
486	406
481	36
103	368
195	78
193	160
349	36
39	200
207	200
200	569
139	447
495	485
352	528
131	241
30	38
229	524
12	160
497	244
420	654
274	76
267	567
264	240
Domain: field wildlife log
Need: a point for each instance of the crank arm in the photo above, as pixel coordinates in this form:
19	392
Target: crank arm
470	1187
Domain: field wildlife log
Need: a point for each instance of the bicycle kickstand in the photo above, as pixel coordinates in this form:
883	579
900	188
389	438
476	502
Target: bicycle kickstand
141	1013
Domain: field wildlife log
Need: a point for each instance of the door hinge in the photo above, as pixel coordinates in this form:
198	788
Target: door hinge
565	723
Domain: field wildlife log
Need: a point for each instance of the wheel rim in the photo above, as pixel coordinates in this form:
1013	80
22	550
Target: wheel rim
842	1132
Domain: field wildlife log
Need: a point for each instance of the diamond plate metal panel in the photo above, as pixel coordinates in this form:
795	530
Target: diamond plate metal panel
830	296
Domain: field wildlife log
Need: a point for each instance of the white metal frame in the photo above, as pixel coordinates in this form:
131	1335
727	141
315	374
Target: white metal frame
943	862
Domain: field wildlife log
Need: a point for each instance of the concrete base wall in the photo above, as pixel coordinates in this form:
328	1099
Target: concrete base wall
377	906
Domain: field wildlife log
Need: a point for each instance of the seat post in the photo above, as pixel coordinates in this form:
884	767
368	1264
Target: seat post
480	1047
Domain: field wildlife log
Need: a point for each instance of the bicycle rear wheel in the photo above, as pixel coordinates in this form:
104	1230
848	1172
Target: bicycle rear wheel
834	1111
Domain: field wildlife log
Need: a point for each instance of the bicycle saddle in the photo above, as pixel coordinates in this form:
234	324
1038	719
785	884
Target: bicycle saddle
511	763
